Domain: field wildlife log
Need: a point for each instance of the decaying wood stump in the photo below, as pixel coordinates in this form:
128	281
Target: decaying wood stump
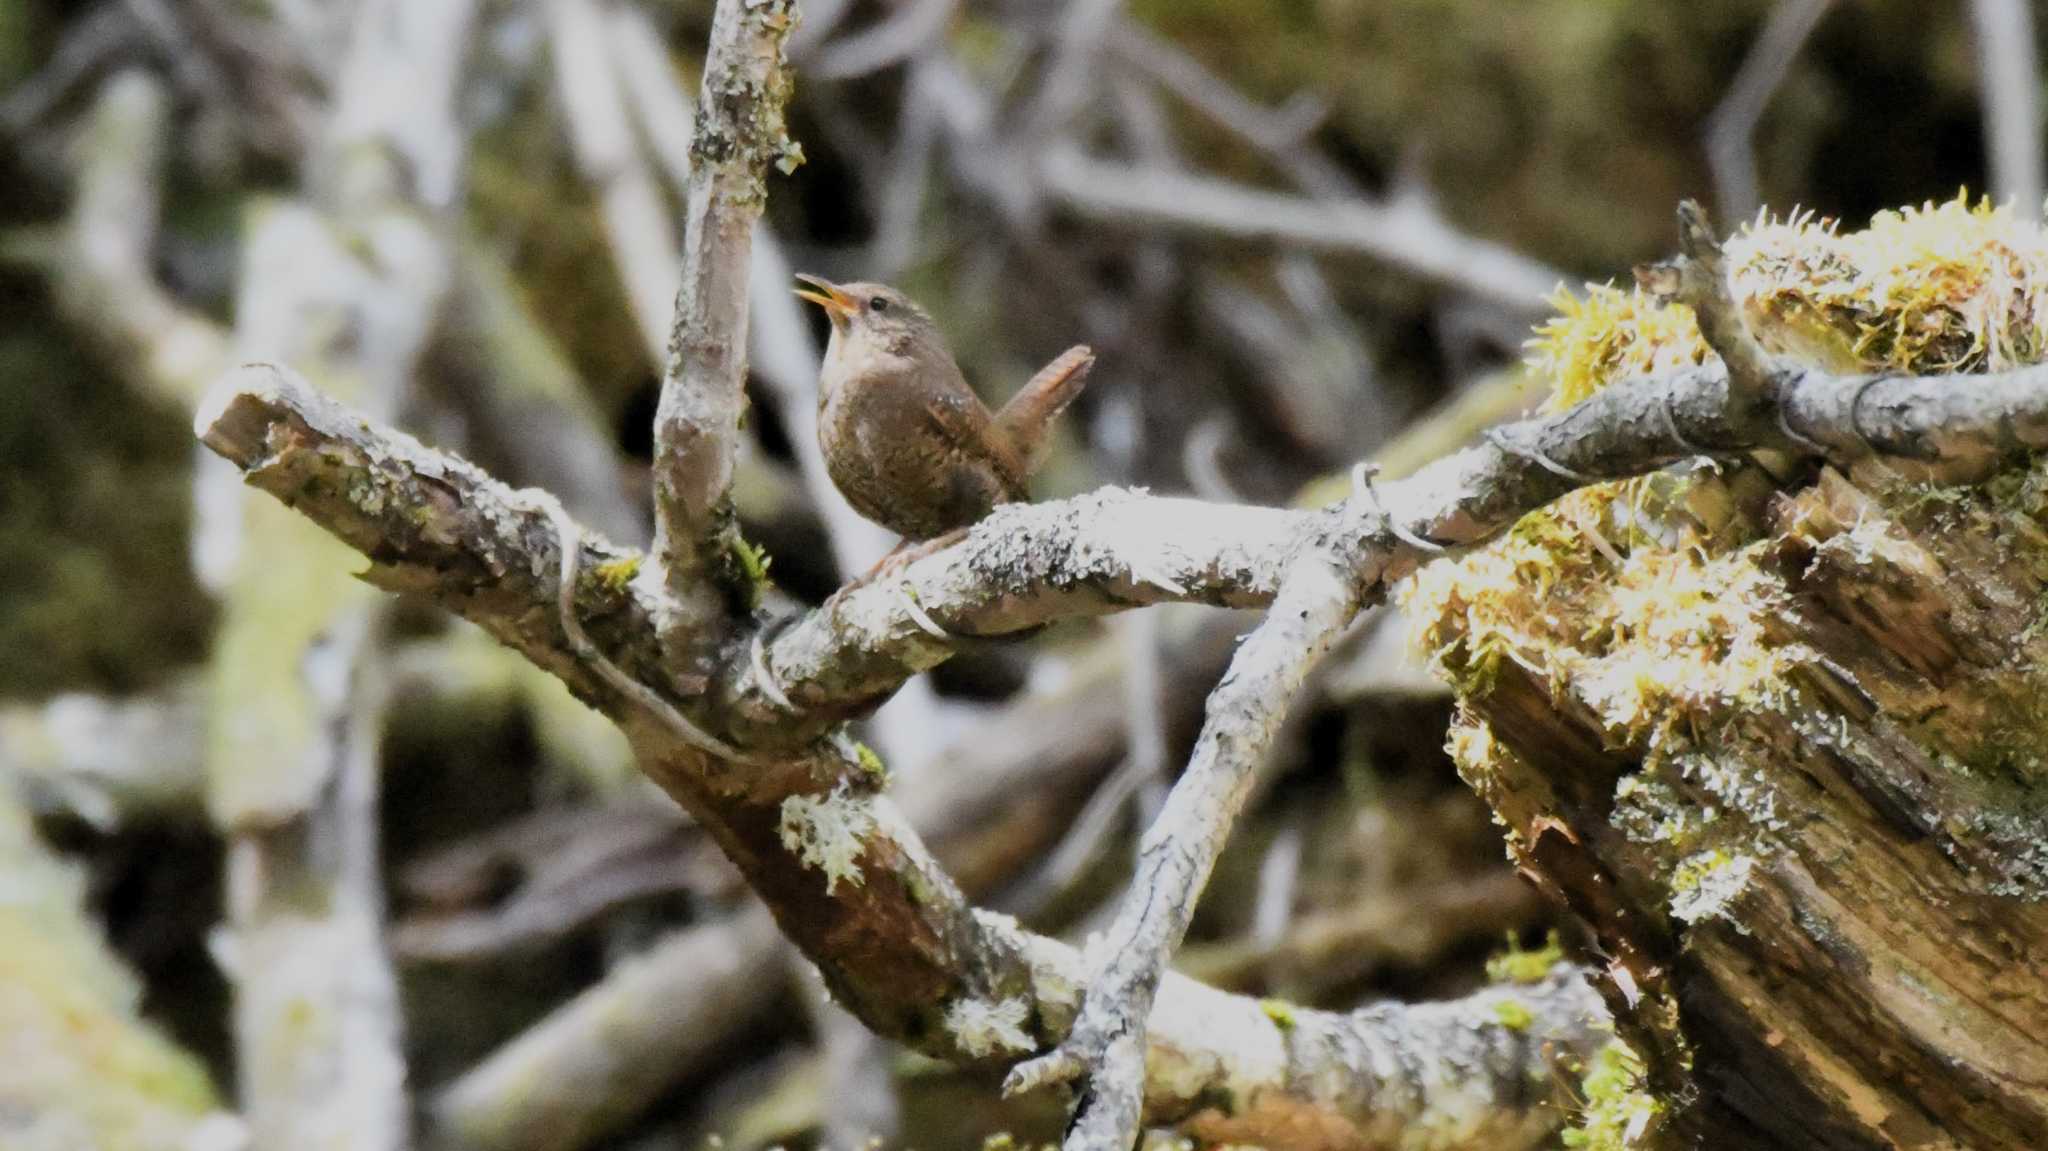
1782	755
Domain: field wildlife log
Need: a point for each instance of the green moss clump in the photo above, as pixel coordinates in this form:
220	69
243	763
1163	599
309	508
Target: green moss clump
1280	1012
750	564
617	574
1512	1014
1516	965
1617	1112
871	766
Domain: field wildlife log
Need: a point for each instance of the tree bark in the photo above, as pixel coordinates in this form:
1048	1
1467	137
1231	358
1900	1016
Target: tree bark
1811	838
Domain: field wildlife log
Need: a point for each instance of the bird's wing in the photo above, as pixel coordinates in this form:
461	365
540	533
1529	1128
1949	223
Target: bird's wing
958	418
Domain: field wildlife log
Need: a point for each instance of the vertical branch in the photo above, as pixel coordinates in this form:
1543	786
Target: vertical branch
2009	77
703	391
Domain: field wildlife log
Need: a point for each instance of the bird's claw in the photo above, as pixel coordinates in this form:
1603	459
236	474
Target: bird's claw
1060	1066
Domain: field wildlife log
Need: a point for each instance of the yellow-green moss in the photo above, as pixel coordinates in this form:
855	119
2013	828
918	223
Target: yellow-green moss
1516	965
1610	334
1666	599
1279	1011
1617	1113
871	765
1512	1014
1950	287
750	568
616	574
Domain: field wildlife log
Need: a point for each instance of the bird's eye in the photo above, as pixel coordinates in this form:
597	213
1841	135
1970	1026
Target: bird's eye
879	304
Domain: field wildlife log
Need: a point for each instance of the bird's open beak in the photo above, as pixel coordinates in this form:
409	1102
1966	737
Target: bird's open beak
829	296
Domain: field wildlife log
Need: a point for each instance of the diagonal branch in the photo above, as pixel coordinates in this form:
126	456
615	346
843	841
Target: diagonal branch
1408	237
1320	596
1731	127
739	135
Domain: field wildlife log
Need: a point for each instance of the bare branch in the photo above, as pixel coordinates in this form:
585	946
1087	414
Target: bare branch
1065	88
2009	78
1409	237
636	221
106	280
739	136
1731	127
908	31
1278	134
578	1075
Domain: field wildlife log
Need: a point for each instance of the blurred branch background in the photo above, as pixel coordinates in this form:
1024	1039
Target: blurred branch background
293	865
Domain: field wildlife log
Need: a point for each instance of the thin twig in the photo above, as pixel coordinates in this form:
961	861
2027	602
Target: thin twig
636	221
1411	239
578	1075
1280	134
1731	127
1108	1042
908	31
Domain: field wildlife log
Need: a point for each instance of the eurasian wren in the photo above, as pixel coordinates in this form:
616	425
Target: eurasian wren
905	439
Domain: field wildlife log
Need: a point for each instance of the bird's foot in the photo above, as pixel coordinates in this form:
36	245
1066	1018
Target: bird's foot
1103	1059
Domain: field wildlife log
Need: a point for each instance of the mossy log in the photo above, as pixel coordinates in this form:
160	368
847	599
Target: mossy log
1782	756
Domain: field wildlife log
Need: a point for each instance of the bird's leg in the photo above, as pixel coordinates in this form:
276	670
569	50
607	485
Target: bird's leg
910	551
902	555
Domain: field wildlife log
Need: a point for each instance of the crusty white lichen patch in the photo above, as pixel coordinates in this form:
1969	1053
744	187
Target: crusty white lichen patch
982	1028
1707	885
828	833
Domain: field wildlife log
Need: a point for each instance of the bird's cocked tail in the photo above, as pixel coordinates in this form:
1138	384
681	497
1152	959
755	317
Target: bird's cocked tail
1026	419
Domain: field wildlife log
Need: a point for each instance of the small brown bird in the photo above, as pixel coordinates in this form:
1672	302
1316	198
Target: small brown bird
905	439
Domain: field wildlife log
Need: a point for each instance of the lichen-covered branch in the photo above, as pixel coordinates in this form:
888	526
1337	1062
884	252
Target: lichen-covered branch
846	879
437	526
1319	596
740	136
